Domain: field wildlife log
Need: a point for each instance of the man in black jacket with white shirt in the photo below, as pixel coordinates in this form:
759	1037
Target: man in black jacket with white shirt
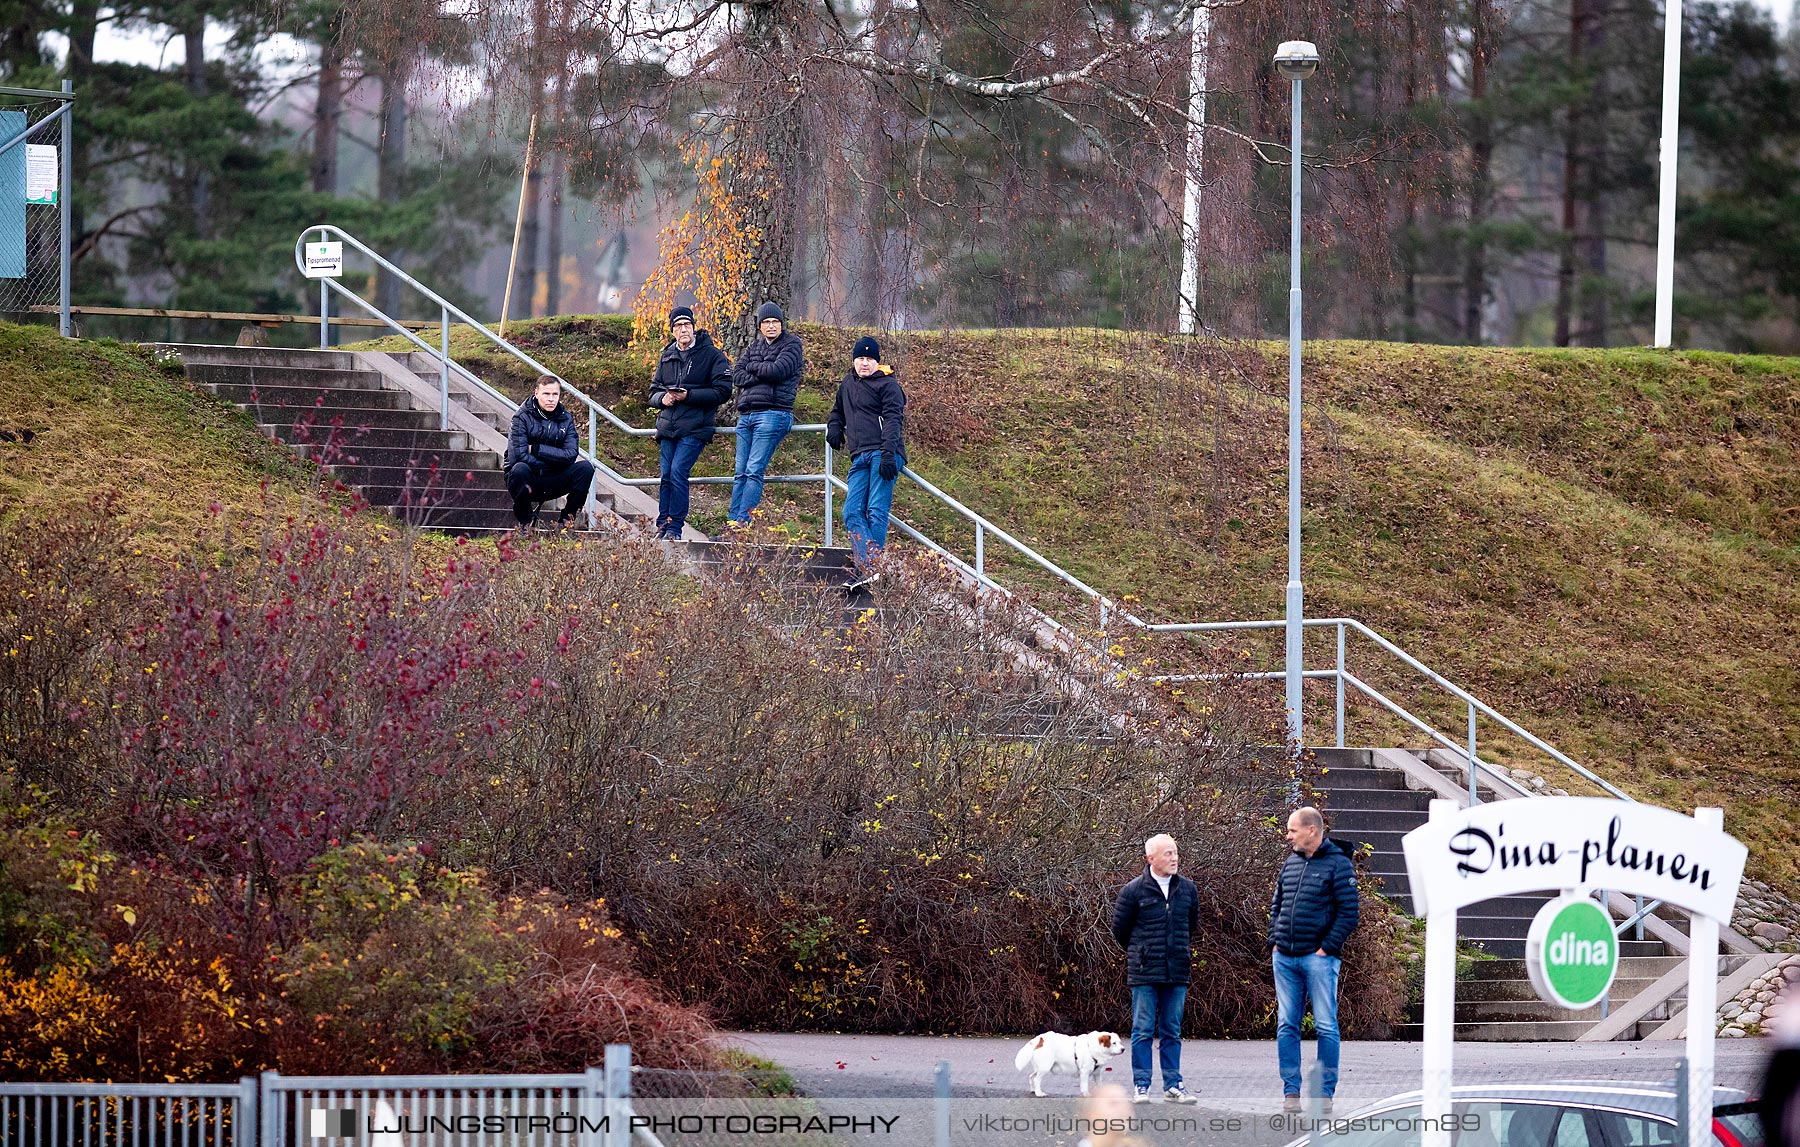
1154	920
1314	911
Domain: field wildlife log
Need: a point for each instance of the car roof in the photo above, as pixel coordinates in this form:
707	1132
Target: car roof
1656	1099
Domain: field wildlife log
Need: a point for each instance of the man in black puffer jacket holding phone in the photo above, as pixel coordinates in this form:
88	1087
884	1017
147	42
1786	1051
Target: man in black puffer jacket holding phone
1154	920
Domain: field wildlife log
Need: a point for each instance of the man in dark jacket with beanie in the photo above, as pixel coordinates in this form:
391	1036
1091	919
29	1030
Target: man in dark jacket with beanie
1312	915
767	379
865	420
543	455
693	379
1154	920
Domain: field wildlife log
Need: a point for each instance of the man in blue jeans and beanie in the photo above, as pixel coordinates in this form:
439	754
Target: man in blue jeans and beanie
1312	915
693	378
1154	920
865	420
766	378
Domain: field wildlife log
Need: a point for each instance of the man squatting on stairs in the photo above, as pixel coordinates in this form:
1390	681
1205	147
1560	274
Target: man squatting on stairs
693	379
543	455
865	419
1314	910
767	379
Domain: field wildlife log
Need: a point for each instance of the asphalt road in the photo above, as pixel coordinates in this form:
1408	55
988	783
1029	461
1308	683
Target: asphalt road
865	1066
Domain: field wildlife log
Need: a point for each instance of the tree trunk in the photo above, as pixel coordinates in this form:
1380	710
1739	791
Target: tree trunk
199	179
329	111
390	179
1591	224
84	28
553	238
1481	160
766	153
1571	179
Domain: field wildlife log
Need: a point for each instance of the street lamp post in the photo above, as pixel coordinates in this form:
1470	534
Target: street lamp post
1295	59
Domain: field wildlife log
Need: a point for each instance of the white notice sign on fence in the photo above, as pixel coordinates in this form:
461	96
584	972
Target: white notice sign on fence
41	176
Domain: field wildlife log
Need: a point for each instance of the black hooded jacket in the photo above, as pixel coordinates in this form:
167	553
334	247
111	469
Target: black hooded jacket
767	374
554	436
706	373
1157	932
1315	904
867	414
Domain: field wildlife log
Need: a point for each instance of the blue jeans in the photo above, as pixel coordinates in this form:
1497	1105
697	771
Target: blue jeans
866	505
758	433
1297	979
678	458
1156	1014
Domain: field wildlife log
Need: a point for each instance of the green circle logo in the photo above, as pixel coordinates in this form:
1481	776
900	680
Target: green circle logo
1571	952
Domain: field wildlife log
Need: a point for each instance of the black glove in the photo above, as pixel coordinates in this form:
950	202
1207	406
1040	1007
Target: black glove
835	441
889	471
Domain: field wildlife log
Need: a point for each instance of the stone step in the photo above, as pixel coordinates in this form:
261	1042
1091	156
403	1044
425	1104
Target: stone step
1348	778
196	353
319	377
1512	991
352	417
255	395
1360	823
1630	967
816	562
1534	1009
1330	756
1529	1031
350	456
1341	798
1514	948
337	442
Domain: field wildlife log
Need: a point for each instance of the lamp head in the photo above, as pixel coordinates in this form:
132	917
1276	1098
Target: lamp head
1297	59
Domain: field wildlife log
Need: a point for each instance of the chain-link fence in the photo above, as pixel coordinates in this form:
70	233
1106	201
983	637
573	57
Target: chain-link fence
35	135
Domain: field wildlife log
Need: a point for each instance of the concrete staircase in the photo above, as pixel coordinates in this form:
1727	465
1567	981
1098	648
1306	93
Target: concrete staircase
372	422
1377	806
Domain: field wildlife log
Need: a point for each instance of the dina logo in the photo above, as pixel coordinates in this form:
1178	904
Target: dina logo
334	1123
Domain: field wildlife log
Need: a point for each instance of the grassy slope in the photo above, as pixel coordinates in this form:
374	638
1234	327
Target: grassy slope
1604	544
104	418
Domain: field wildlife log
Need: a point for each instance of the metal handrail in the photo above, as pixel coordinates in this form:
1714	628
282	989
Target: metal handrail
983	528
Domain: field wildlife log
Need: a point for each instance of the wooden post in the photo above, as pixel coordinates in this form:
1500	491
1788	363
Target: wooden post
518	222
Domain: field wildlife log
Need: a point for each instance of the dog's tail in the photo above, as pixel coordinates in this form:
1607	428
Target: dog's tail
1023	1059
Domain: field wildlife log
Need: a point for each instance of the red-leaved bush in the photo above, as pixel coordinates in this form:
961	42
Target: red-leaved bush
904	821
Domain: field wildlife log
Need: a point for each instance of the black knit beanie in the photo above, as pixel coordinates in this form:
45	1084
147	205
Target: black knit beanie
680	313
770	311
867	347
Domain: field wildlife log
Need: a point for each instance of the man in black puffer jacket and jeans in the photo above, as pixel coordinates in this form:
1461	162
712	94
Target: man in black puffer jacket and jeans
767	380
1313	913
1154	920
693	379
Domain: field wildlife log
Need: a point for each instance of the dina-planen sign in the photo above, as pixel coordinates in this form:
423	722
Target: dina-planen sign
1504	848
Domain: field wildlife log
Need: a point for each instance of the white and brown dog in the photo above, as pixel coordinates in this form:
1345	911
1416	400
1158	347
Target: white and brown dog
1073	1054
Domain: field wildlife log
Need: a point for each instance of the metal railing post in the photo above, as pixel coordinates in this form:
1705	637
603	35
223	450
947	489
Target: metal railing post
243	1122
444	362
64	210
324	305
1340	686
1682	1137
1103	615
618	1092
941	1081
269	1109
828	495
593	1091
1640	916
980	556
1474	797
